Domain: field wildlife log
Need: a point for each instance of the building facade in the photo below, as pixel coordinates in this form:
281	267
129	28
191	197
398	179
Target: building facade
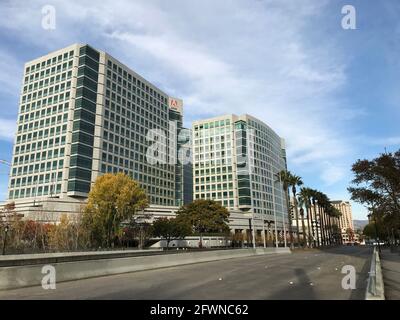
83	113
236	160
346	219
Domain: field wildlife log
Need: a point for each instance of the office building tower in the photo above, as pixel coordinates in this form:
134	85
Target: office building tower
83	113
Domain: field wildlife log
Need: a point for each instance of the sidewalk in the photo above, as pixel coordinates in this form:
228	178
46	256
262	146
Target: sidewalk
391	273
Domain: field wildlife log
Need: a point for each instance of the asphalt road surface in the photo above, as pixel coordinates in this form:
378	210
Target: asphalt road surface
305	274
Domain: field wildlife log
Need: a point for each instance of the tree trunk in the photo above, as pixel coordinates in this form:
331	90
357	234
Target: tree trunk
321	215
340	231
289	218
330	230
296	210
312	219
308	227
317	223
304	229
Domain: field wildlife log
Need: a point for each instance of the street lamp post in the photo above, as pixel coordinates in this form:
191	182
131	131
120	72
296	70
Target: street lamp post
5	240
264	236
253	231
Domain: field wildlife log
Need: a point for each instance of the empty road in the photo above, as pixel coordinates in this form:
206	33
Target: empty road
308	274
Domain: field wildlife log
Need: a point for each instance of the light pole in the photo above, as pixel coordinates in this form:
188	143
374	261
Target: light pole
263	224
5	240
254	230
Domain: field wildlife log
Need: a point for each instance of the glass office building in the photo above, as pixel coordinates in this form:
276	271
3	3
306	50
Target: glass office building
83	113
236	161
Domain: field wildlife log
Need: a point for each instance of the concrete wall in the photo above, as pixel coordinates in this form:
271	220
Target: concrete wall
31	275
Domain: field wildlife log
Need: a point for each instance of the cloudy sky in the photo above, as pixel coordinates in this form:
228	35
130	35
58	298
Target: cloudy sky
331	93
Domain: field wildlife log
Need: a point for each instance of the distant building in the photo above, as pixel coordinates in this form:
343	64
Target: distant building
346	219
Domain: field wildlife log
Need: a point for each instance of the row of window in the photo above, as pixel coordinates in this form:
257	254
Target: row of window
50	91
49	123
30	146
213	124
212	140
52	100
39	167
43	134
47	73
129	109
39	156
141	117
228	203
45	112
47	190
36	179
48	62
130	78
57	79
132	91
212	171
213	187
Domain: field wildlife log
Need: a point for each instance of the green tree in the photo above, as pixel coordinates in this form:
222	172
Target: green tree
205	216
170	229
377	185
114	198
370	231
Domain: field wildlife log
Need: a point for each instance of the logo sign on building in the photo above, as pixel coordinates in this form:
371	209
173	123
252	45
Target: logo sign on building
175	104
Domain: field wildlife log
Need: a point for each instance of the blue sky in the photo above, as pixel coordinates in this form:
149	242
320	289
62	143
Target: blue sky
331	93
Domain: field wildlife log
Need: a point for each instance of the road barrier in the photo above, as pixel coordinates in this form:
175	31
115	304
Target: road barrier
375	287
31	272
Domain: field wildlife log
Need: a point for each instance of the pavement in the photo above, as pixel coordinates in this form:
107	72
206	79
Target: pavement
391	273
304	274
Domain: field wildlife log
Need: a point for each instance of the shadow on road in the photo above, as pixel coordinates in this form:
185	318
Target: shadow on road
301	289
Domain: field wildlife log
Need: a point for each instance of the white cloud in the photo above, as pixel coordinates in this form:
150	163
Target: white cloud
7	129
10	73
332	173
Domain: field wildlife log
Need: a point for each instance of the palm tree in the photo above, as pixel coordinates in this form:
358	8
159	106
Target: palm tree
295	181
285	177
323	202
331	211
304	200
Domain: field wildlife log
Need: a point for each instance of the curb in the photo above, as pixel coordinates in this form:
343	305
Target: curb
375	288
